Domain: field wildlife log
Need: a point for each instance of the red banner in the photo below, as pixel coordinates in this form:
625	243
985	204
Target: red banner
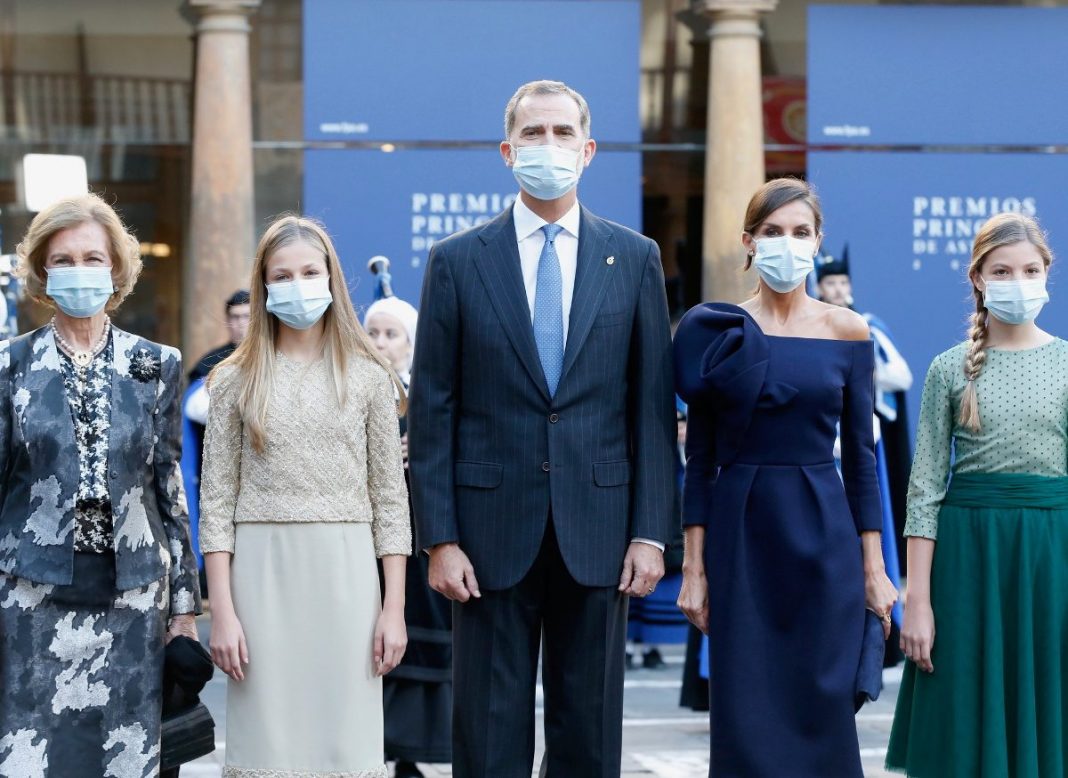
785	122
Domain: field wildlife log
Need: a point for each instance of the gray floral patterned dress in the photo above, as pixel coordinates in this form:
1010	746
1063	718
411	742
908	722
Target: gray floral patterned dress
94	555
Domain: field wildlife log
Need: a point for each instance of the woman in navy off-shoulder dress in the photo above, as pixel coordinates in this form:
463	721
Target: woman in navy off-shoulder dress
774	572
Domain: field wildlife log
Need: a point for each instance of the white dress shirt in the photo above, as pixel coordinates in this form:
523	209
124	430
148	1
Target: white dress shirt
531	241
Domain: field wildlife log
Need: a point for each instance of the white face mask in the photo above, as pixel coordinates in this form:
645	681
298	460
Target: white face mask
784	262
80	292
547	172
299	304
1015	302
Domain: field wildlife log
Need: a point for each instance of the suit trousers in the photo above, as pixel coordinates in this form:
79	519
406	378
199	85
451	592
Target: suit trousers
581	631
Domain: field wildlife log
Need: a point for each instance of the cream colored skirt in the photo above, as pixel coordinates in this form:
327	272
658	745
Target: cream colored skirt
307	596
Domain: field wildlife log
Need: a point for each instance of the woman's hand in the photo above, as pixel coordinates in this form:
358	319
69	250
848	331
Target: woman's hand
693	598
918	632
227	643
404	449
391	640
880	596
185	624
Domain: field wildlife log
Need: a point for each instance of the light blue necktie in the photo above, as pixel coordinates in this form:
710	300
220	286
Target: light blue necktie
549	310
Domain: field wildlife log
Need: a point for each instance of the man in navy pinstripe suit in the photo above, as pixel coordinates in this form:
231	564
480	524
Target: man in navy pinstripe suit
541	434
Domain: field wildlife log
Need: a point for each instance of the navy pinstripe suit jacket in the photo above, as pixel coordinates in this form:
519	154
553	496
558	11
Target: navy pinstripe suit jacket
491	453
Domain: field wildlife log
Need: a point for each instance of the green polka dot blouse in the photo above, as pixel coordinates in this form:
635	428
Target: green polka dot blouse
1023	412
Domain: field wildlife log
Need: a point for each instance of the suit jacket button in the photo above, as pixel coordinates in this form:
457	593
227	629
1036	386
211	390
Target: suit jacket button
545	466
114	473
554	417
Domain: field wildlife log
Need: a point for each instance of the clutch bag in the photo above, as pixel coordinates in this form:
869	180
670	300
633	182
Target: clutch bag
870	670
187	735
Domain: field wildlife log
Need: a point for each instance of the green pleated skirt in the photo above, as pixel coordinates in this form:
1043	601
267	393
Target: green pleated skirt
996	705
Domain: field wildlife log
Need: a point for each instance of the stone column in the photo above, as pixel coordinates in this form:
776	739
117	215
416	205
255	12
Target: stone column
221	231
734	163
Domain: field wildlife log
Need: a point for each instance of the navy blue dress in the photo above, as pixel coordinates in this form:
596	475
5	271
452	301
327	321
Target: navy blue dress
782	556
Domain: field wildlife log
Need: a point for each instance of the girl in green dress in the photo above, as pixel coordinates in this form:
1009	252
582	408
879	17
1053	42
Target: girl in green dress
986	696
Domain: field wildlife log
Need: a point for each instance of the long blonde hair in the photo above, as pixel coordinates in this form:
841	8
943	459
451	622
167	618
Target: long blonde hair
344	338
1002	230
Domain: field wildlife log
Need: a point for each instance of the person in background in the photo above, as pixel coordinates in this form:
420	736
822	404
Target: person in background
303	488
418	693
892	379
391	323
195	403
985	690
656	620
96	570
237	318
694	691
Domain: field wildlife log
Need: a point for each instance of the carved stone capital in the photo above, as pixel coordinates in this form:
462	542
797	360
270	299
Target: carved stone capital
220	15
733	7
731	18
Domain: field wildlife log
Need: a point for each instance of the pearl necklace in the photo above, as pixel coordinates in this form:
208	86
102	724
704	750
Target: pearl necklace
82	357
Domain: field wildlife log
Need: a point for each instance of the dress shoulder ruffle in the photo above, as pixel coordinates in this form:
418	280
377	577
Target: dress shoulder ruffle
721	359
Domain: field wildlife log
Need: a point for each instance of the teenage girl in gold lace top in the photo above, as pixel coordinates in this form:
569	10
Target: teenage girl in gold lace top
303	486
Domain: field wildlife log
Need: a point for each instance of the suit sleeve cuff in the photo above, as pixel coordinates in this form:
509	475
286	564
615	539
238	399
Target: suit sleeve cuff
648	542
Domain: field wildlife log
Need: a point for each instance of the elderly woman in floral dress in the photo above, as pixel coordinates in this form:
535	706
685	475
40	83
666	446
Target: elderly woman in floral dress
96	568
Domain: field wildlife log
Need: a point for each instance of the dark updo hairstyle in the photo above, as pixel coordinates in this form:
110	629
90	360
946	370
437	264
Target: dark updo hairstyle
773	196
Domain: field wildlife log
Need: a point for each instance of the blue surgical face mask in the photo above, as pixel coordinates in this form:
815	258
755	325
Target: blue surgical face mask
784	262
80	292
546	172
299	304
1015	302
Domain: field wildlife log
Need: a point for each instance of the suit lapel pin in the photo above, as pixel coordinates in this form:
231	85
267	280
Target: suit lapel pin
610	261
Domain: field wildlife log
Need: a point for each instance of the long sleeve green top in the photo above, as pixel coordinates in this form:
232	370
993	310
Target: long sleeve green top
1023	411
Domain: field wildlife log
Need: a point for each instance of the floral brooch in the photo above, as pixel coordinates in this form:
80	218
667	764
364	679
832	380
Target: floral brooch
144	367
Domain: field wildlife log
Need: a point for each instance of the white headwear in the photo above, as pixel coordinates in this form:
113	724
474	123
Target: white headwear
400	310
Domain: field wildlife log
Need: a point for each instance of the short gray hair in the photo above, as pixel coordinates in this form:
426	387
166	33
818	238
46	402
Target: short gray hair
545	88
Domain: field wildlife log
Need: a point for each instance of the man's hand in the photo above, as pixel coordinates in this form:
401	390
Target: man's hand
643	568
452	574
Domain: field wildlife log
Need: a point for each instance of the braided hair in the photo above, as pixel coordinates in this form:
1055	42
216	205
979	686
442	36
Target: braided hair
1003	229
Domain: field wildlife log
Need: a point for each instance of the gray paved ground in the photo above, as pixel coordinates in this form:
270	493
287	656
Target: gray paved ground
660	740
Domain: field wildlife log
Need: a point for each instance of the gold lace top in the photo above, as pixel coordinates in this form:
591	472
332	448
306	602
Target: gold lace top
321	462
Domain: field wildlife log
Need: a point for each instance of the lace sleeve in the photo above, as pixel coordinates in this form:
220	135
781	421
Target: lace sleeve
221	476
390	521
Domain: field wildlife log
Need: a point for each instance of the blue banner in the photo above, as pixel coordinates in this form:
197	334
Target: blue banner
397	204
443	70
937	75
909	220
9	297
